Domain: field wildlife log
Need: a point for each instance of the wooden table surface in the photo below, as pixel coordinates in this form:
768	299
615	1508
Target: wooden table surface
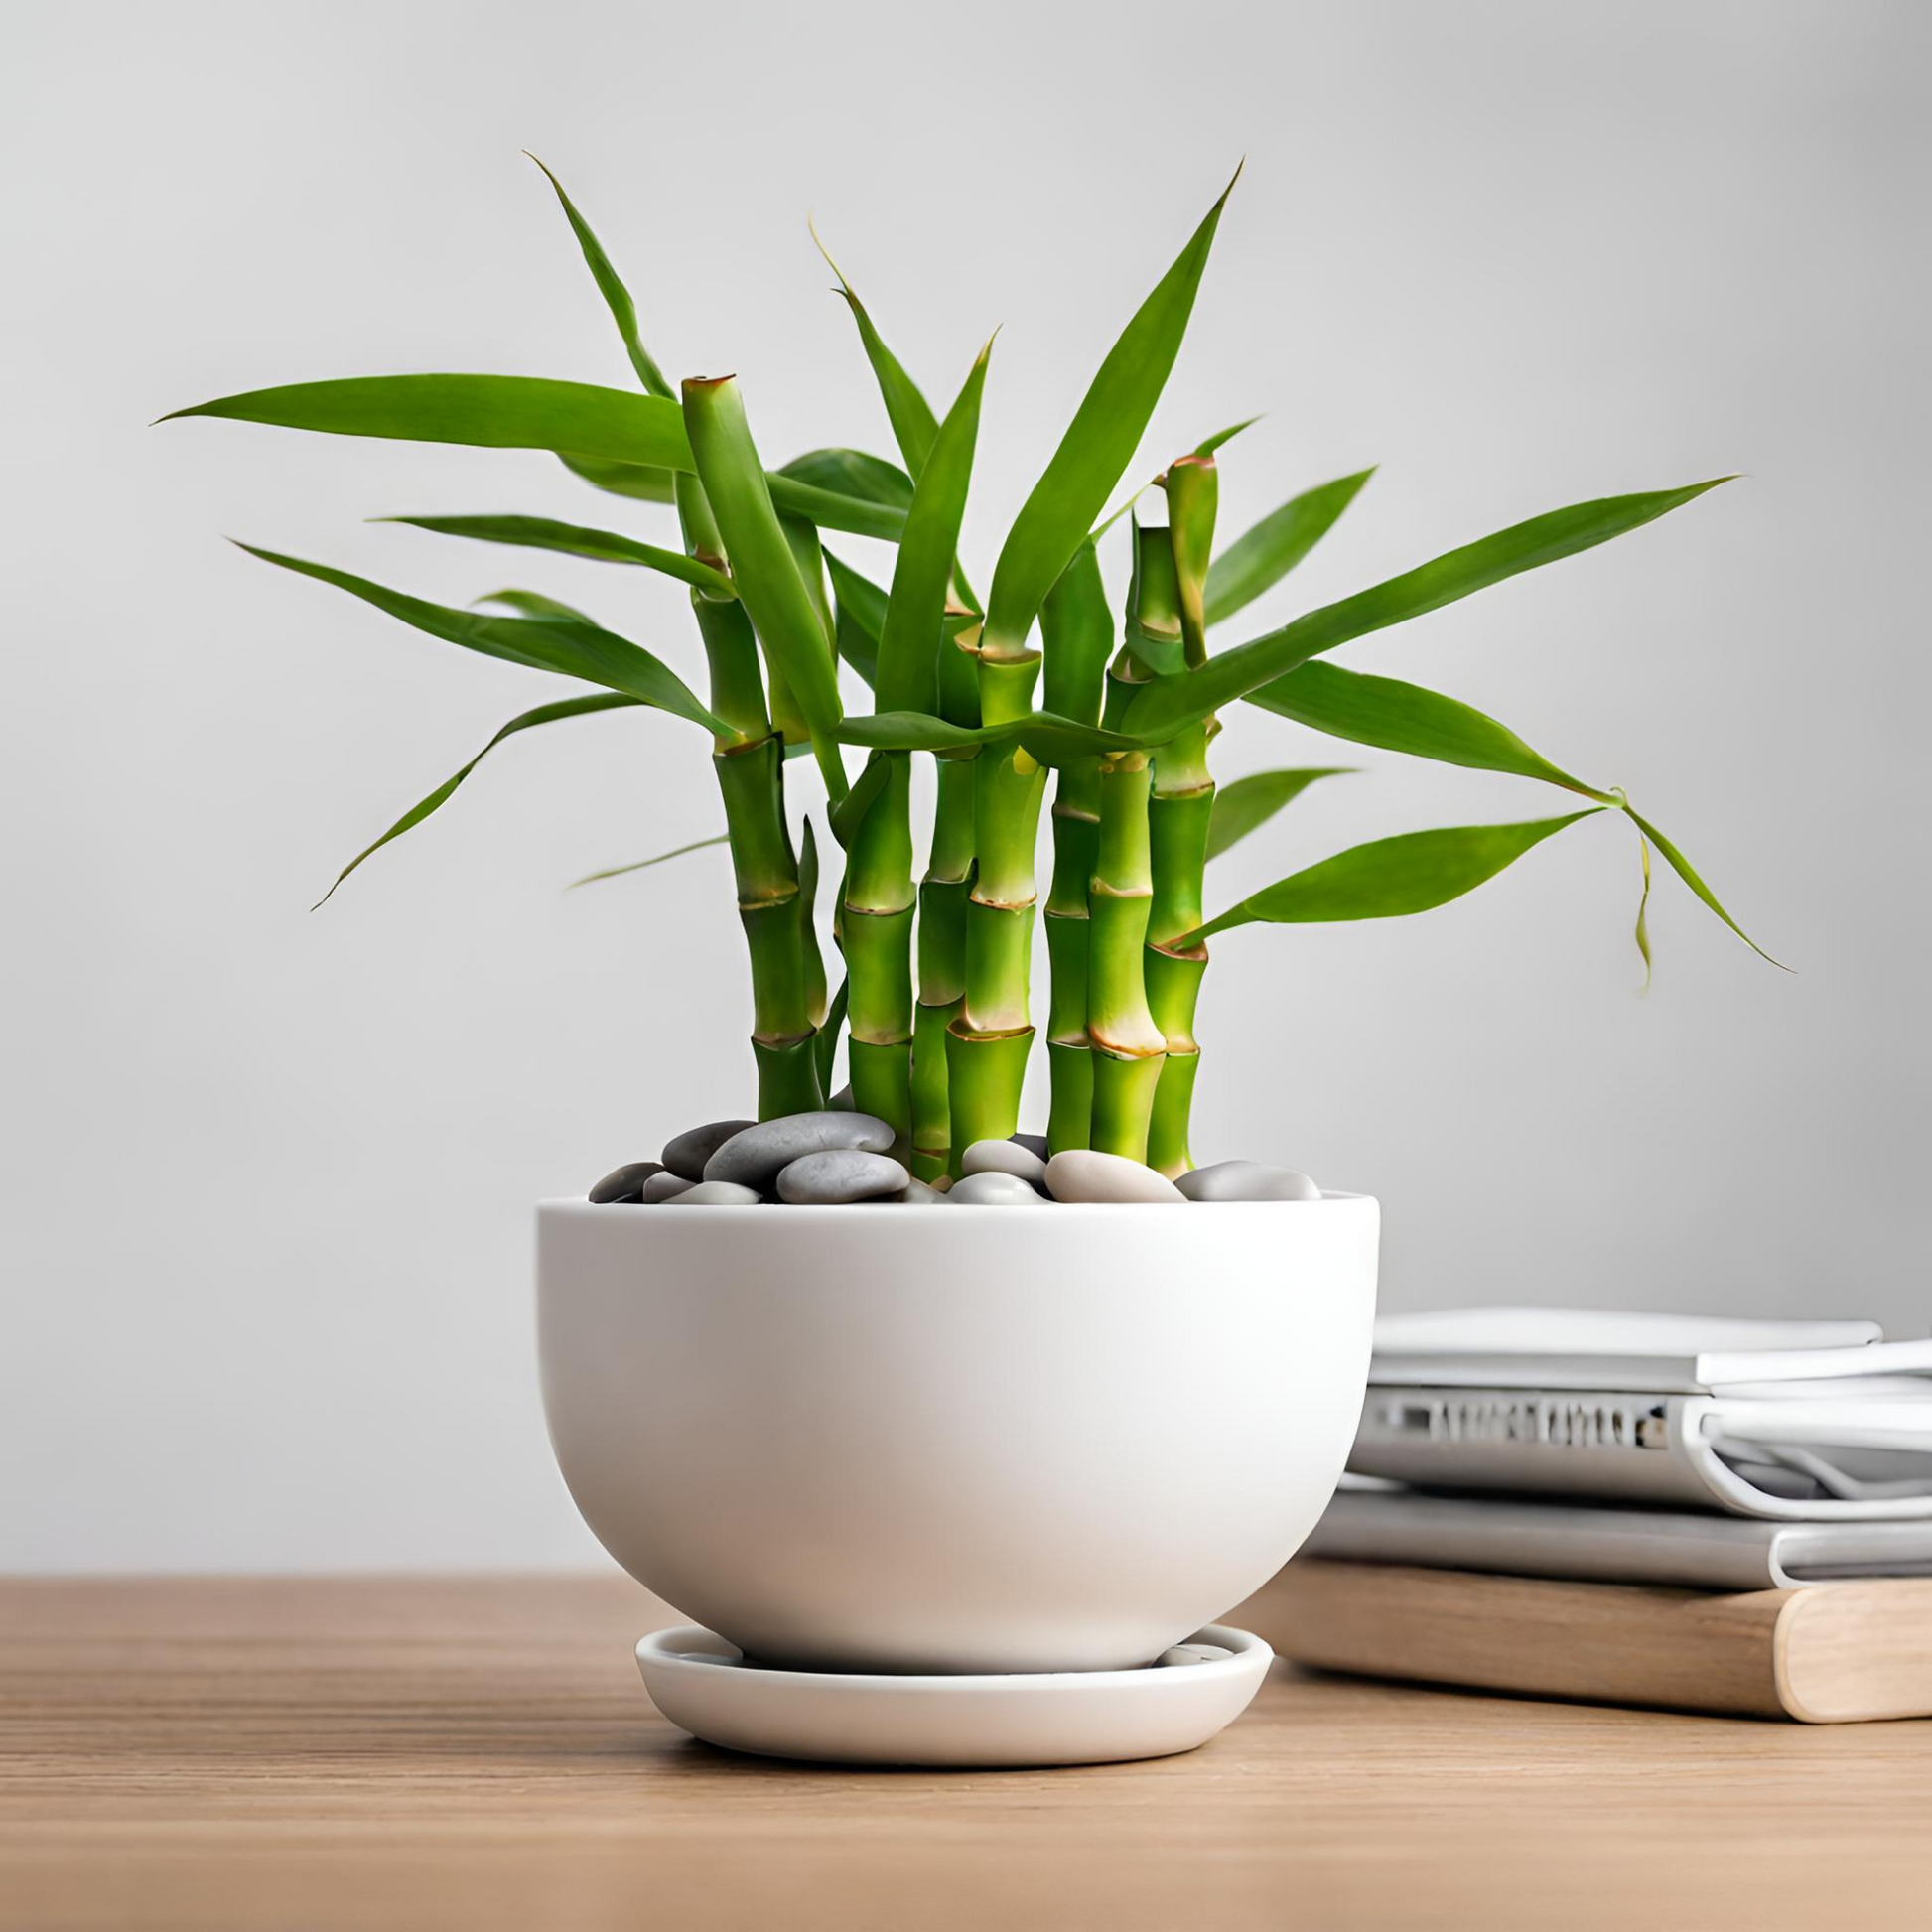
324	1753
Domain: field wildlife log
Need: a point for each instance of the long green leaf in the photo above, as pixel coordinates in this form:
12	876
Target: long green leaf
914	426
1258	560
769	584
1208	445
498	412
916	610
829	509
1169	702
1094	453
639	482
1049	738
533	604
1390	878
545	714
1395	716
1688	873
574	540
850	812
1249	803
825	1042
851	473
609	285
639	865
573	649
1076	633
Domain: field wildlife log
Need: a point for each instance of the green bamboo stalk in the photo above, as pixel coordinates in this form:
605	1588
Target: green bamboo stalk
943	893
988	1042
877	938
749	769
1128	1047
1180	815
1076	629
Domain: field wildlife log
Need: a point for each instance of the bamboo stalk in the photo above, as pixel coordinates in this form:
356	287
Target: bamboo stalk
877	938
943	893
988	1042
1128	1047
1180	815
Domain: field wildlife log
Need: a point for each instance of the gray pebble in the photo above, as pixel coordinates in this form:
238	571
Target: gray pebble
1083	1173
994	1190
756	1157
717	1194
1247	1180
686	1155
624	1184
666	1186
1002	1157
840	1173
1033	1142
915	1194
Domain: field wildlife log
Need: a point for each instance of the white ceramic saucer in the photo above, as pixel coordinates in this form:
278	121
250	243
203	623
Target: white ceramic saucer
705	1686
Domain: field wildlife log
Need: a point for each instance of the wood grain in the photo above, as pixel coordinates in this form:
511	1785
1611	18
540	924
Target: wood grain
345	1754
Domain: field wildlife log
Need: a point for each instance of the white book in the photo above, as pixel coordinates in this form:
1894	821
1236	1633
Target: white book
1594	1544
1788	1421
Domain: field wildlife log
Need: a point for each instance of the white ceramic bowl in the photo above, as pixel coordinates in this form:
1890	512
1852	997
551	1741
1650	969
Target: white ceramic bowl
954	1440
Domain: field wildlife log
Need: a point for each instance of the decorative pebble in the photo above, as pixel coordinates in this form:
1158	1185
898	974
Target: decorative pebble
624	1184
915	1194
1002	1157
686	1155
717	1194
840	1173
1247	1180
1195	1653
1033	1142
994	1190
1085	1175
756	1156
666	1186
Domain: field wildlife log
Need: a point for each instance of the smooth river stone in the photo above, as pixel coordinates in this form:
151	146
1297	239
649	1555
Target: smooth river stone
915	1194
1247	1180
666	1186
686	1155
1002	1157
757	1157
624	1184
839	1175
1195	1653
717	1194
1081	1174
994	1190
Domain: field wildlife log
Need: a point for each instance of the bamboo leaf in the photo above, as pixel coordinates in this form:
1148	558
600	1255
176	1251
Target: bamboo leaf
1688	873
1391	879
860	609
1249	803
914	426
851	473
1260	558
639	865
1047	737
499	412
912	627
573	540
769	584
1094	453
1221	436
546	714
1076	632
1397	716
1643	911
533	604
639	482
850	812
570	649
609	285
829	509
1173	701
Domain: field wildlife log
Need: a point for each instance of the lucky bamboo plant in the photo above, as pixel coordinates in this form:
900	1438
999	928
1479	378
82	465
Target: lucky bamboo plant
1038	682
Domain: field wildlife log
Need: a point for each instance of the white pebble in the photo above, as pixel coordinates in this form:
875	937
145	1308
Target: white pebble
1247	1180
1002	1157
1082	1174
716	1193
1195	1653
666	1186
993	1191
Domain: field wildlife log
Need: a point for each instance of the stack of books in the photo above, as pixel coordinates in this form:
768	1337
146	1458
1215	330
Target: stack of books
1677	1510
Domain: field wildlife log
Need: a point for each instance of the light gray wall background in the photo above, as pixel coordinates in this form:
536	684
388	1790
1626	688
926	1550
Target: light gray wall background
267	1175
